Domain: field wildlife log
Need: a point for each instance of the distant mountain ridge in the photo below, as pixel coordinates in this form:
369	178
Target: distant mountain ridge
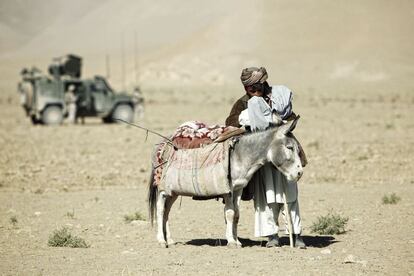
195	42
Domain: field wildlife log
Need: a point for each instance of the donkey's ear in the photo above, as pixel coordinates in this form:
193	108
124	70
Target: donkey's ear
294	122
276	119
289	126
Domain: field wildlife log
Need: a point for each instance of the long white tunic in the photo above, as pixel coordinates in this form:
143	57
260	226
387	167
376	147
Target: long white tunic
269	181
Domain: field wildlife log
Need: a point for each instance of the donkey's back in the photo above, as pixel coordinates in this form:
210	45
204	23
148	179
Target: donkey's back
198	172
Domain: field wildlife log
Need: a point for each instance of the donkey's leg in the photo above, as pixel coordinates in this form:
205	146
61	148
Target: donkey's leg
229	215
168	204
236	203
160	219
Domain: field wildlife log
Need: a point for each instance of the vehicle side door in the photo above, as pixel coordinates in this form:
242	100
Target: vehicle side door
101	97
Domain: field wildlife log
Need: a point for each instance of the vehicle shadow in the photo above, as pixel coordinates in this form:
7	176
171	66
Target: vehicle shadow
310	241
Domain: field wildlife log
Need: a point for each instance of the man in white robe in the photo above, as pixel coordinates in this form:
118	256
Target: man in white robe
269	182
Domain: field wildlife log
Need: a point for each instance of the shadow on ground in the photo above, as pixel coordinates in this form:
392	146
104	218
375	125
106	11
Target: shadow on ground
317	241
310	241
222	242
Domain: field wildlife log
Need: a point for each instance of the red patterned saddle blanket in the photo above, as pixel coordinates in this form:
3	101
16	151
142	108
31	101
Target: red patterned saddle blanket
194	134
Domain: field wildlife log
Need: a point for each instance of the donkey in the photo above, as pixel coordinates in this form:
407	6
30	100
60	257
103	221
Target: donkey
250	153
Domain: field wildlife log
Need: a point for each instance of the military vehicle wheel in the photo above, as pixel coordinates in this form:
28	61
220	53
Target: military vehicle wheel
52	115
107	120
34	120
123	112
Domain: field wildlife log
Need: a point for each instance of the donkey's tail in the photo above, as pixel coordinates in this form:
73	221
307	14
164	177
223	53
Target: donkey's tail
152	196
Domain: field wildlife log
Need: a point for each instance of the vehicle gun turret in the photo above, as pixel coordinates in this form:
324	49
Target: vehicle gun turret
69	65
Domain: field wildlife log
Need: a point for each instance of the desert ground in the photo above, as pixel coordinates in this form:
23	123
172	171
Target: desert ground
350	66
99	173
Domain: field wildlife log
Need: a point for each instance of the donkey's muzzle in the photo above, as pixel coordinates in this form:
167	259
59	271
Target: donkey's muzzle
300	173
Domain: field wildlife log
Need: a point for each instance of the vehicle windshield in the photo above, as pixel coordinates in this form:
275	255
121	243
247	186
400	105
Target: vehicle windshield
102	84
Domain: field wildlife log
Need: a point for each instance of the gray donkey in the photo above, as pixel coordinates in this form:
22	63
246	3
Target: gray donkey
250	153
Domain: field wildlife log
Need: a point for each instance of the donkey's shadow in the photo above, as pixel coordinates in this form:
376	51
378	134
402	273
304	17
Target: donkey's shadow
310	241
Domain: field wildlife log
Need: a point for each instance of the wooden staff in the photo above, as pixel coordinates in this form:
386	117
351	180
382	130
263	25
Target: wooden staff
287	211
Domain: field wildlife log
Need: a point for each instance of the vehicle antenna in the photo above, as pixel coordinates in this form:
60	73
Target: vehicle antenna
107	61
136	57
123	61
108	71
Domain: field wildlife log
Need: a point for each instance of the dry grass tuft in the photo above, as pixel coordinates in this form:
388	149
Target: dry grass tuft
331	224
362	158
71	214
314	144
390	126
391	199
63	238
134	216
13	220
39	191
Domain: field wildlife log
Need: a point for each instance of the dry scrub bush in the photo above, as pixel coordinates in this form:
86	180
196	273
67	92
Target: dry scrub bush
391	199
13	220
63	238
331	224
71	214
132	217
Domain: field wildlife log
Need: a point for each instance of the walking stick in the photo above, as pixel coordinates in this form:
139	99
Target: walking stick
289	218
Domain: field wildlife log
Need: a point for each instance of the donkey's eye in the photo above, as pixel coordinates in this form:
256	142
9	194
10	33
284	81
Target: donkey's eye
289	147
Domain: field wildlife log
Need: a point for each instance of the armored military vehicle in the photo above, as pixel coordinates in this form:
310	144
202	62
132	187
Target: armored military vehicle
43	96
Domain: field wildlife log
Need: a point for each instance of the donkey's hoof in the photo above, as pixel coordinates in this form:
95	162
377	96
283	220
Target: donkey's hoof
171	242
163	244
233	244
239	244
